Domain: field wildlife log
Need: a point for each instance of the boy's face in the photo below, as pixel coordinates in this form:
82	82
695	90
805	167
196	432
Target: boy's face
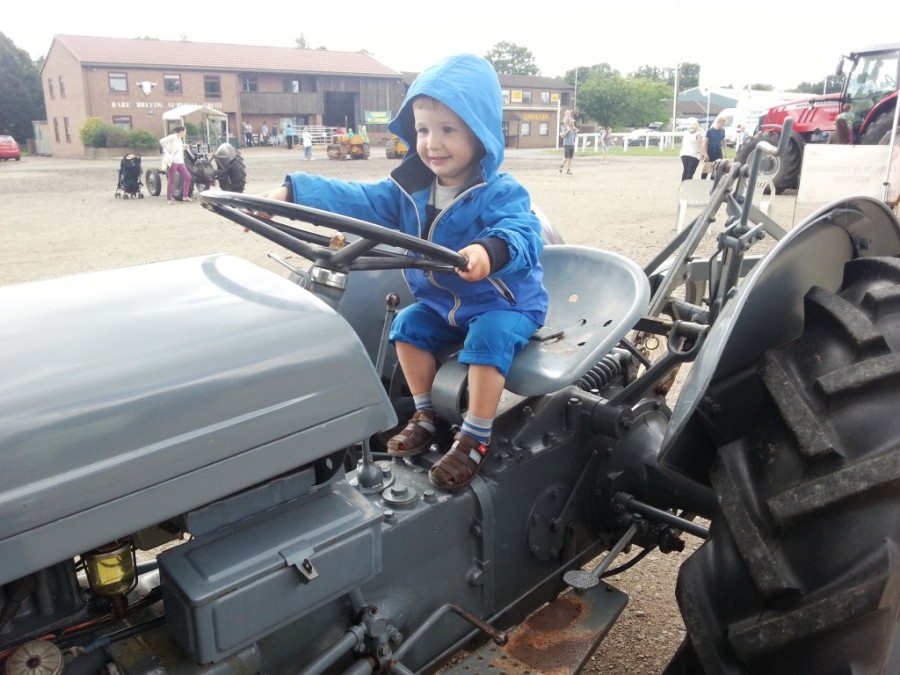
444	142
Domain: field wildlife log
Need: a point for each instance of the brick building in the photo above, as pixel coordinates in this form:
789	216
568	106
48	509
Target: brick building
132	82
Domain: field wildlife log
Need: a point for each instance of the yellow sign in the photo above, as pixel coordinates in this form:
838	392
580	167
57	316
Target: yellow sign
377	116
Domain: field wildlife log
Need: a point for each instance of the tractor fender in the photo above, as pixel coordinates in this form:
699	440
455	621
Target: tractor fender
225	155
765	312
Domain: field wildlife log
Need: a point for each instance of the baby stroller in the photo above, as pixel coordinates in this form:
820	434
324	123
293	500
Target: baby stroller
130	177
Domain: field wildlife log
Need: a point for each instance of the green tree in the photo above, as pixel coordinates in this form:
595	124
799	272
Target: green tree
830	85
652	73
759	86
302	42
511	59
612	100
22	99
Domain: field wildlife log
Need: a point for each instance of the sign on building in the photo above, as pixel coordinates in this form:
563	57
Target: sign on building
377	116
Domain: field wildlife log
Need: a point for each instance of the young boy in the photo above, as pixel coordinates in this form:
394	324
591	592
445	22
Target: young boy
449	190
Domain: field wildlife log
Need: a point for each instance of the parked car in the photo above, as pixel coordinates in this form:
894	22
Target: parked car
645	135
9	149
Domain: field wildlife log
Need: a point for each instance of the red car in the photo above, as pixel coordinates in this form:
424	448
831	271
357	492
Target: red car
9	149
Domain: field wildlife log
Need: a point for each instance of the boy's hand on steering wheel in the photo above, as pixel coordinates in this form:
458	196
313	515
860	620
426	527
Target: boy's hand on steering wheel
280	193
479	263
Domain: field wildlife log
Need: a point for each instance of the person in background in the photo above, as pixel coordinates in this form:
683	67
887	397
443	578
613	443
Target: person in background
569	136
849	118
739	137
173	156
715	146
248	134
307	144
289	136
841	134
691	150
606	142
450	189
264	134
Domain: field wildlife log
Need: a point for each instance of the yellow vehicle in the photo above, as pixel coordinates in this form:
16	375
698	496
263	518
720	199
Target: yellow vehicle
349	147
395	148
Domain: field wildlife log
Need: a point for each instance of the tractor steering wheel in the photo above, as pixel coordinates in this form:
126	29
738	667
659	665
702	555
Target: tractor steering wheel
258	214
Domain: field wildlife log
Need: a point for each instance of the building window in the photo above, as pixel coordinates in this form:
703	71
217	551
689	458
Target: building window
56	128
123	122
249	84
564	99
290	86
526	97
545	98
212	86
118	83
544	129
68	129
50	87
516	96
525	129
505	93
62	87
172	84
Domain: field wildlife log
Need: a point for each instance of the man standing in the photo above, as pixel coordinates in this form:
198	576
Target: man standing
307	143
289	135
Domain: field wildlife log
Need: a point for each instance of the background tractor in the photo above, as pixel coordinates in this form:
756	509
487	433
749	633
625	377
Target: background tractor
224	168
394	148
870	87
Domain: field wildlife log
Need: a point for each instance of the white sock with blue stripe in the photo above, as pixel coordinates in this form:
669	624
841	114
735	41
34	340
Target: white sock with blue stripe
478	428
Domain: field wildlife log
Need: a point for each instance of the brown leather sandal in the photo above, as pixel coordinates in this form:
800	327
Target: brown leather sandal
460	465
414	438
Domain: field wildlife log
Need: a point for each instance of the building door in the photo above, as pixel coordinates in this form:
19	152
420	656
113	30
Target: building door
340	109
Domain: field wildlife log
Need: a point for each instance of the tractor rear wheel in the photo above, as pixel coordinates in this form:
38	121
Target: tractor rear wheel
783	171
879	131
801	573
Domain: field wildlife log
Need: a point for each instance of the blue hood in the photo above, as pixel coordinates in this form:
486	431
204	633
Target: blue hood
468	85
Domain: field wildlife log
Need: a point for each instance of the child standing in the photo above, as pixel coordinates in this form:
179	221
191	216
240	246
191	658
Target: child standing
449	190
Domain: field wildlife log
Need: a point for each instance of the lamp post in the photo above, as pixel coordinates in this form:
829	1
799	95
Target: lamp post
675	101
575	95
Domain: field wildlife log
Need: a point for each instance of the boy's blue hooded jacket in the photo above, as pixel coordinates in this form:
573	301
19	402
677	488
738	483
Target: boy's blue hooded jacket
492	205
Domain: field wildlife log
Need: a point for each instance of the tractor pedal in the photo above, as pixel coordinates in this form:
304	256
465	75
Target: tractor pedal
559	638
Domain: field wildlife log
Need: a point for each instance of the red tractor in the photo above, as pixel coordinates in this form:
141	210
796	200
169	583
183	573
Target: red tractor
870	88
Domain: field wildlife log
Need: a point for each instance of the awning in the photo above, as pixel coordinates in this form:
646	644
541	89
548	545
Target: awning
209	114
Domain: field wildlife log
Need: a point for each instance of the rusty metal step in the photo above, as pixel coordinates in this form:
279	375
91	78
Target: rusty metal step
559	638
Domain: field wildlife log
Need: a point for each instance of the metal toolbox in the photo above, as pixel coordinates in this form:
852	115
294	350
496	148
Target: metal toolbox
226	590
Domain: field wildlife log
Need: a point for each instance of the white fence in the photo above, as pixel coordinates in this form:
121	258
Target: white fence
588	141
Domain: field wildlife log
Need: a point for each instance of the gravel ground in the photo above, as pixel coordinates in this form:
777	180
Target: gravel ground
60	217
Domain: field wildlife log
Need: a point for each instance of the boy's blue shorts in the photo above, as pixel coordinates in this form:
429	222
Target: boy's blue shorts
489	339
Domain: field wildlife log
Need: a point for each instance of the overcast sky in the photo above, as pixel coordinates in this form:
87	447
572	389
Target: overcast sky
731	42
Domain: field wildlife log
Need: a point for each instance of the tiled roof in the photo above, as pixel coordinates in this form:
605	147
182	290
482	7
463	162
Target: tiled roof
148	53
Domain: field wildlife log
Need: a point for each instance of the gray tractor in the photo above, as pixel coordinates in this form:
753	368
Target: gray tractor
223	167
194	478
